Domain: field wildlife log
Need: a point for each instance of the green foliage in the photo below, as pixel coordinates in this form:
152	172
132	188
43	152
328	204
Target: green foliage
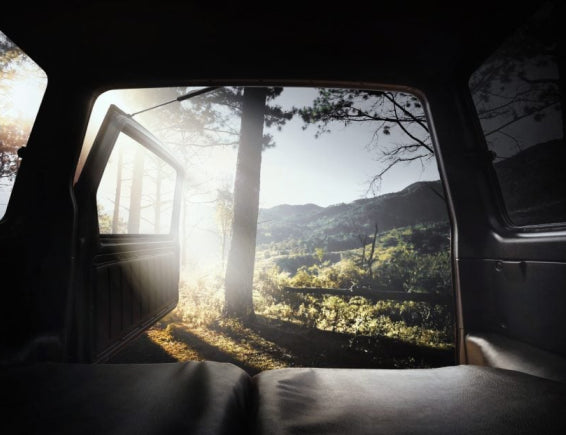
200	302
416	322
403	257
291	262
105	223
319	254
413	259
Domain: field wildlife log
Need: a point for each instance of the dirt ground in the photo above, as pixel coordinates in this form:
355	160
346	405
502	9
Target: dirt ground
267	344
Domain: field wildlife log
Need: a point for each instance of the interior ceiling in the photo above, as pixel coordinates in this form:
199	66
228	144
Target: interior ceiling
119	43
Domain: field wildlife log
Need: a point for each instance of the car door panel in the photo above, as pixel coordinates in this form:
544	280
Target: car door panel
125	282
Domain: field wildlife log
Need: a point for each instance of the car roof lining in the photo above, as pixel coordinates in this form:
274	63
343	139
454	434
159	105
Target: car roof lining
106	45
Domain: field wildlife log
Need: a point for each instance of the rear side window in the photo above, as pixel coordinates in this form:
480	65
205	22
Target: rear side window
22	85
519	94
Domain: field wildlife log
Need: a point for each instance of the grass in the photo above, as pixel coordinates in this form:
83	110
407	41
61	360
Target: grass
305	331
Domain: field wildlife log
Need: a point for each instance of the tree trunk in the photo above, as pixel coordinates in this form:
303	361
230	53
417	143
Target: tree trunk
241	257
157	202
136	195
185	239
224	231
117	196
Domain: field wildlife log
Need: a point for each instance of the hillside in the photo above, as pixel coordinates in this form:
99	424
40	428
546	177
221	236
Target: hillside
339	227
533	183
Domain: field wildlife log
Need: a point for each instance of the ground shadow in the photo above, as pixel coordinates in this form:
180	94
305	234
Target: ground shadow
210	352
142	350
317	348
290	345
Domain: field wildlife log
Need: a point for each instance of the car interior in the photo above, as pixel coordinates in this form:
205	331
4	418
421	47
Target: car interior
490	76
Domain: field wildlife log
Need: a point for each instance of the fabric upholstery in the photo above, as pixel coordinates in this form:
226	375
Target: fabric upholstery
180	398
218	398
447	400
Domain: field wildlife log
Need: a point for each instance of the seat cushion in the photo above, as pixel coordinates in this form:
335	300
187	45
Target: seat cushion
447	400
188	398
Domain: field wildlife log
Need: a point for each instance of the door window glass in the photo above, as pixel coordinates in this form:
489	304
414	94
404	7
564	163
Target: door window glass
136	192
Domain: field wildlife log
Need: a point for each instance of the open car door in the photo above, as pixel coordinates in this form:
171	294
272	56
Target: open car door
127	270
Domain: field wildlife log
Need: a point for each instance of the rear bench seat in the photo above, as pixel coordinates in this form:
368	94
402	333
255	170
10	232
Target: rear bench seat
179	398
448	400
218	398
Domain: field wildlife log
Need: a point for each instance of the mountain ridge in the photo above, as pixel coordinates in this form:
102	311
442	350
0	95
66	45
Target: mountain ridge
340	226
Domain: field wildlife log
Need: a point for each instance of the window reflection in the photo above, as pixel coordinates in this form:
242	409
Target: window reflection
518	93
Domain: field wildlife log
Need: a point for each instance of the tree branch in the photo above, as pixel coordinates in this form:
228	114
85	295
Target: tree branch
516	119
429	148
413	117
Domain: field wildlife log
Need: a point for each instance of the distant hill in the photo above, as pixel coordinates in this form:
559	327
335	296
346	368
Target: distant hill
338	227
288	212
